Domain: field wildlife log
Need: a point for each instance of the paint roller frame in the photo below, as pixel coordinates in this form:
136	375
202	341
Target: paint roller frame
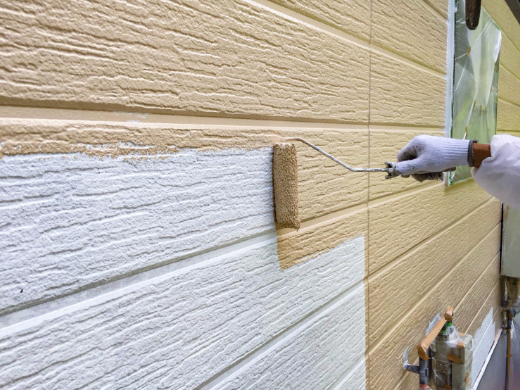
285	180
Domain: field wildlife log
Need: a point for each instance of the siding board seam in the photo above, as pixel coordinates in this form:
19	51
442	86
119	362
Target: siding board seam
309	22
375	345
407	61
120	285
322	220
142	117
407	125
315	24
401	192
427	240
507	35
344	377
487	297
509	71
340	214
508	101
388	52
517	132
388	129
193	121
492	262
287	333
435	9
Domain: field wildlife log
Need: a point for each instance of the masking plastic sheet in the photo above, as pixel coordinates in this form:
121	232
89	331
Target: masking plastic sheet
475	84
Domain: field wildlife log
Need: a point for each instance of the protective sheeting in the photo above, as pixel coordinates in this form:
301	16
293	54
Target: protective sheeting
447	372
494	376
475	88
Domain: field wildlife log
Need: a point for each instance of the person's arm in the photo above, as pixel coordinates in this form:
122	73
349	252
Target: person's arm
496	167
480	153
499	174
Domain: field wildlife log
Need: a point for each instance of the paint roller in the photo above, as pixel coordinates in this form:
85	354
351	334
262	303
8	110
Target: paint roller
285	179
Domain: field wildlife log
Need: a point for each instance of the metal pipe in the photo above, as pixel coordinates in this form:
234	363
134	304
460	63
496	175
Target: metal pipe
423	372
508	365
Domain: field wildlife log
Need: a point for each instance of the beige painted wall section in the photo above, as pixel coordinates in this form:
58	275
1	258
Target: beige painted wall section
359	78
454	256
509	76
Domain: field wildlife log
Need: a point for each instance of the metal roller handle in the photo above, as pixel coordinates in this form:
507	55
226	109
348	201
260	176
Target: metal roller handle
389	169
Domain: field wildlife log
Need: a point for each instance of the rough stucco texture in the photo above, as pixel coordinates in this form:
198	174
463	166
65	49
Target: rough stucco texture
181	328
228	57
138	246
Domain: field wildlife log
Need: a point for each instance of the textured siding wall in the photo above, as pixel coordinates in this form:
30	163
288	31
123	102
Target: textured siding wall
137	241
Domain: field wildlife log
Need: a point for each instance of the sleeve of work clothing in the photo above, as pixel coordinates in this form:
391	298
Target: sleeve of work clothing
500	174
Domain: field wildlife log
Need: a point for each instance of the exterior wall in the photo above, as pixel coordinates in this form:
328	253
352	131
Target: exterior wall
138	244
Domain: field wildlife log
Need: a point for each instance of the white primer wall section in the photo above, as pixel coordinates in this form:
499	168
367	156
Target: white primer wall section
179	255
74	221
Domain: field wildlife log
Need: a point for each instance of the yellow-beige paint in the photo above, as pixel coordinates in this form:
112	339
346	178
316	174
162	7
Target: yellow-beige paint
329	79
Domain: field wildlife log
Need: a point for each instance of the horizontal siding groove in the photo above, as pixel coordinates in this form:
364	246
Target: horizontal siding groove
496	315
346	376
400	383
510	71
435	9
515	133
509	102
384	125
402	194
65	114
391	128
407	61
415	248
309	22
70	114
513	42
494	262
145	110
313	23
54	307
377	198
403	319
485	300
322	220
289	332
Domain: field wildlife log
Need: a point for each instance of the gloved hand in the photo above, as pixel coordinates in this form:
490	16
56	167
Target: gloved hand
426	157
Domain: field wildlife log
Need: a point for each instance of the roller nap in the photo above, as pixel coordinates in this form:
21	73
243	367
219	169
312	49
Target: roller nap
285	185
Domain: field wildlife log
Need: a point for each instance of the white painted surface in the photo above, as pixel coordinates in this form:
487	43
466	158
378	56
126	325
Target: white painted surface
181	329
71	221
482	343
314	355
209	304
486	362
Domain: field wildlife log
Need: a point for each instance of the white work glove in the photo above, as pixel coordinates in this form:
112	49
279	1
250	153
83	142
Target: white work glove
426	157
